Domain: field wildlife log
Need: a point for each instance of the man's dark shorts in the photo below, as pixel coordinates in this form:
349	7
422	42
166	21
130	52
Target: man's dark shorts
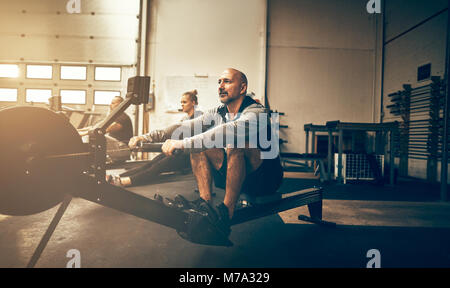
265	180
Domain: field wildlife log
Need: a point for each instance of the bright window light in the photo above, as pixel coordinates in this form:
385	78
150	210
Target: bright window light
73	73
104	97
39	71
108	73
9	71
38	95
73	96
8	95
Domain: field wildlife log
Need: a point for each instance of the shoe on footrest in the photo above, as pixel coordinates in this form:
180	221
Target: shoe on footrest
166	201
208	225
185	204
114	180
179	202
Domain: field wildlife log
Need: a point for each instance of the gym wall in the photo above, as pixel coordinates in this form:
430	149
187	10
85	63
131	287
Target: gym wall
43	32
323	64
191	42
415	34
104	32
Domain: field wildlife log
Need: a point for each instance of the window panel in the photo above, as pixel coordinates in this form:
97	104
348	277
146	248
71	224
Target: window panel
108	73
9	71
73	72
38	95
104	97
73	96
39	71
8	95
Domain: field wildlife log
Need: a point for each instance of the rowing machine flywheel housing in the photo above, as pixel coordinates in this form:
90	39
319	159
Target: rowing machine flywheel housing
31	181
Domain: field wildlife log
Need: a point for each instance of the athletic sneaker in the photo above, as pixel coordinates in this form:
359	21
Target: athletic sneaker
218	216
114	180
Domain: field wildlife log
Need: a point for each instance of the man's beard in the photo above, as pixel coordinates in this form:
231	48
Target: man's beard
226	100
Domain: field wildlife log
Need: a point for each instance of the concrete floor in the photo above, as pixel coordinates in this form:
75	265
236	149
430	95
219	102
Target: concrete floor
406	223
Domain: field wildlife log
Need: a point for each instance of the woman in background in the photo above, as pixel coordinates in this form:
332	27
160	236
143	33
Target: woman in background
161	163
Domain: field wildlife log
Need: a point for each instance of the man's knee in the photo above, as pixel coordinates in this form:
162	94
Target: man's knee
235	152
251	156
249	153
198	156
213	156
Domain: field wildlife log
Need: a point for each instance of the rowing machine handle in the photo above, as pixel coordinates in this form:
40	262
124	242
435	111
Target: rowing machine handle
149	147
156	147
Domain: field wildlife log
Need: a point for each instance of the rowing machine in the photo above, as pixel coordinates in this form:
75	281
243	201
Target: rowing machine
43	162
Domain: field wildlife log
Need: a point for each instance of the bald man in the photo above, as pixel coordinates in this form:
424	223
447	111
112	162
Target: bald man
233	168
